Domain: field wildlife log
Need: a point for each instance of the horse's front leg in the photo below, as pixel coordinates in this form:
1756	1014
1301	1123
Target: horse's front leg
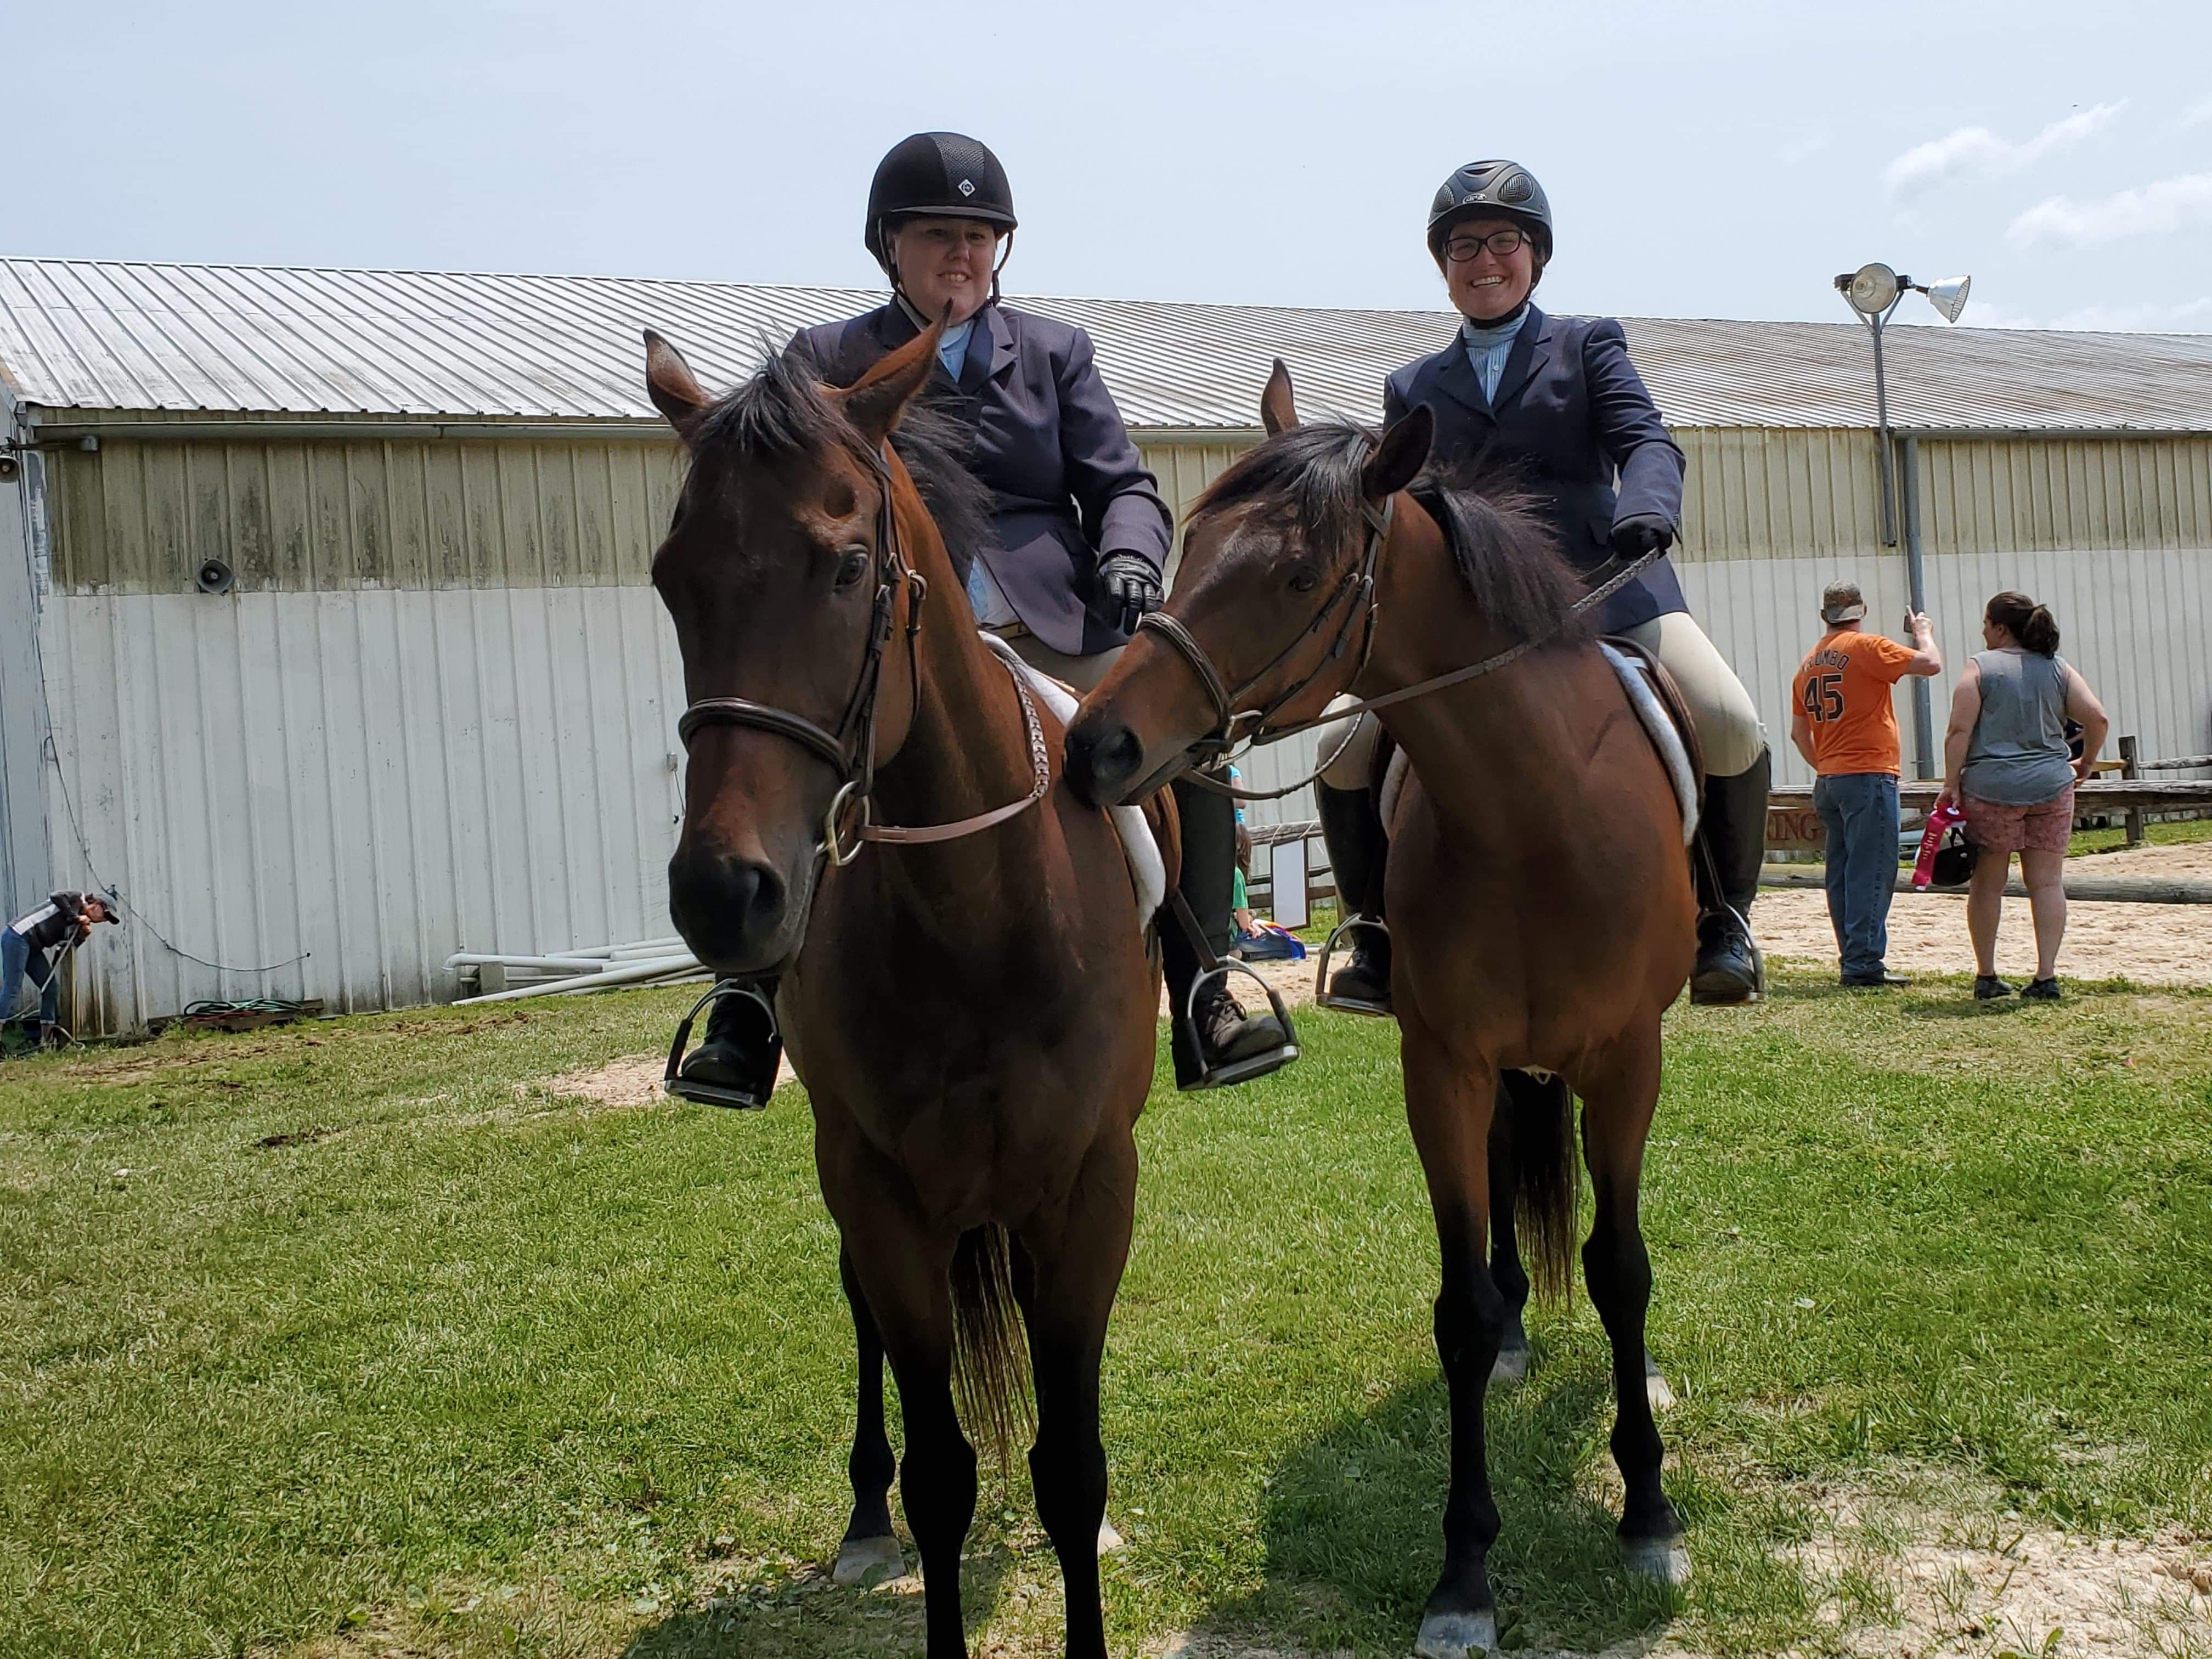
1617	1107
1075	1260
1449	1106
870	1552
905	1273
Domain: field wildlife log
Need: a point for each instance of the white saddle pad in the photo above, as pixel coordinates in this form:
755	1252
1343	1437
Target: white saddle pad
1643	698
1146	868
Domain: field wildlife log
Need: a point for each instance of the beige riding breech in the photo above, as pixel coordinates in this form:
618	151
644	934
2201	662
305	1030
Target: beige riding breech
1729	728
1083	673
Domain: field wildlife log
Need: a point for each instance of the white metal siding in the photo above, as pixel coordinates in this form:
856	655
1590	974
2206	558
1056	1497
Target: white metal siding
377	778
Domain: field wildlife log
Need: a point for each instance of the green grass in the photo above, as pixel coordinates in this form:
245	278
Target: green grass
2163	833
353	1331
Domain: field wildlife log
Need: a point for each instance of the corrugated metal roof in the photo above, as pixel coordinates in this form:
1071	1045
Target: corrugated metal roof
86	334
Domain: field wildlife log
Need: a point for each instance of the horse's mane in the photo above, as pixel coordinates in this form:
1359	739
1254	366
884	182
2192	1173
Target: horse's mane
1502	549
781	416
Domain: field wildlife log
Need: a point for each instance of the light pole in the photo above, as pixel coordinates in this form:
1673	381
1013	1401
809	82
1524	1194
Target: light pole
1873	291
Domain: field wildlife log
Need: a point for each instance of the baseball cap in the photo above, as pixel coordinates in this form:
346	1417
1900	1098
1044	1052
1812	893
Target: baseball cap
1842	602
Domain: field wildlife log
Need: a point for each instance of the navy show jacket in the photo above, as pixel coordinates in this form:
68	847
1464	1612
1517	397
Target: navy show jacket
1572	415
1067	482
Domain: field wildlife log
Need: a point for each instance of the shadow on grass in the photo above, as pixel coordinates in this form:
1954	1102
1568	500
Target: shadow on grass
1353	1526
812	1617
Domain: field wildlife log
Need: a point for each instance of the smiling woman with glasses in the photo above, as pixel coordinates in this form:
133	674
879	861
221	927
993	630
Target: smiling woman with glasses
1555	401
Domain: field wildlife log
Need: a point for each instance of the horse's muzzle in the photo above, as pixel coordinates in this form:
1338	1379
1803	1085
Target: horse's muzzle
739	916
1105	759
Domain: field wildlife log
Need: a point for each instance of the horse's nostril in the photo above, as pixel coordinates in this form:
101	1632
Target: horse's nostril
1103	757
729	910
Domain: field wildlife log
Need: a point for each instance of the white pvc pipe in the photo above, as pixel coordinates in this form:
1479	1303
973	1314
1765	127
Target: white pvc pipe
627	974
485	959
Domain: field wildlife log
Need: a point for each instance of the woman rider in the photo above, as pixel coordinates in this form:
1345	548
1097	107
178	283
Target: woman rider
1557	401
1082	540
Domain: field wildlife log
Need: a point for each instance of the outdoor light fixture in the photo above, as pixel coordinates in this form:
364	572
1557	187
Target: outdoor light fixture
1873	291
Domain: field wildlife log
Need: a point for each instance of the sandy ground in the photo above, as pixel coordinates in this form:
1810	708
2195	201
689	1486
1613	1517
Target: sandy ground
2149	944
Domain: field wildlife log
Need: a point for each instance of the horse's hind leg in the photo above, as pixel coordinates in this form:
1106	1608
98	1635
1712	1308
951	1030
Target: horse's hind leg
1617	1111
869	1553
1449	1112
1505	1269
1075	1265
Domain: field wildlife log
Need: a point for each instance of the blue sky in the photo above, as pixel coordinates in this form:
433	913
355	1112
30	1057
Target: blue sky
1725	160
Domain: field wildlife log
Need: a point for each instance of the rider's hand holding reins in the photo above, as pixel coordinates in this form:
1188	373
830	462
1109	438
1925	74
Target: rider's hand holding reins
1640	533
1129	583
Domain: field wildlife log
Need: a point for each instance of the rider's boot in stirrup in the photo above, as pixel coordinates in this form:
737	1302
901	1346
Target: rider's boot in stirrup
736	1065
1358	849
1215	1043
1218	1043
1730	968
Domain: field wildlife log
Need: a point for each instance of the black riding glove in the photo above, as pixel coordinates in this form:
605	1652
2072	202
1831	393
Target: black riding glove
1130	586
1640	533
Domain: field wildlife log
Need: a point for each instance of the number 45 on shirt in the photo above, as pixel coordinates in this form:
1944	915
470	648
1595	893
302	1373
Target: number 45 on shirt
1823	696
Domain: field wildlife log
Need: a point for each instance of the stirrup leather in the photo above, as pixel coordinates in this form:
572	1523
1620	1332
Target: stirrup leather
1322	998
737	1096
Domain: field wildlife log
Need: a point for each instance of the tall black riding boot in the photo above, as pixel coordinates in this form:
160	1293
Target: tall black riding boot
1728	968
737	1063
1215	1035
1358	849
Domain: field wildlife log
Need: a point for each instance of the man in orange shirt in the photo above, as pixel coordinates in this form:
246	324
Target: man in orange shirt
1842	721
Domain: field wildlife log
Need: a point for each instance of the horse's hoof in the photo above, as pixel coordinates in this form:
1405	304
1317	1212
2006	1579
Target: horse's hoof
1654	1386
1510	1368
1457	1635
1109	1538
862	1562
1663	1560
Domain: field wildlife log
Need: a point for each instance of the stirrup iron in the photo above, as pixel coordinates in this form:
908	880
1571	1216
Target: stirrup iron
1322	999
737	1096
1237	1071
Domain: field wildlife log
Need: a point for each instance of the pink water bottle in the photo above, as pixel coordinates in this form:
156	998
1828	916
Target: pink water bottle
1940	818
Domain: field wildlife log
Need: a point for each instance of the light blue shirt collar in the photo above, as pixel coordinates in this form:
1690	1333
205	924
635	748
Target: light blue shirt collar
952	346
1487	349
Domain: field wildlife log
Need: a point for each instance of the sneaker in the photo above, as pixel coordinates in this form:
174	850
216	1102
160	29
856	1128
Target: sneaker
1988	988
2040	990
1880	980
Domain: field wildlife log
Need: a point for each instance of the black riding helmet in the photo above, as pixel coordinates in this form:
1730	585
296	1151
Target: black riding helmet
939	174
1482	190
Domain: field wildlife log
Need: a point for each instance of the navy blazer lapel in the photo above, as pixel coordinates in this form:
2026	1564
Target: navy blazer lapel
990	348
1455	378
1526	357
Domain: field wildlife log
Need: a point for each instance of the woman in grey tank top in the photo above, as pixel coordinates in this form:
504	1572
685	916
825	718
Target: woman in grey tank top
2006	765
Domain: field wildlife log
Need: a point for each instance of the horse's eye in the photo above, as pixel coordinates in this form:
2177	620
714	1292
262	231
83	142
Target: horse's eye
1304	580
852	565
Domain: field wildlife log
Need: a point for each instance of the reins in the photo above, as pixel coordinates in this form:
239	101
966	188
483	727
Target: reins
850	750
1221	744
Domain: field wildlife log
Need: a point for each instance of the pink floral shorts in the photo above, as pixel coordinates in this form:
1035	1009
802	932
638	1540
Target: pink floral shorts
2041	828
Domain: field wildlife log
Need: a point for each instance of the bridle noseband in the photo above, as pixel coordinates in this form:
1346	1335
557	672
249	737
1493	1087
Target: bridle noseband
850	750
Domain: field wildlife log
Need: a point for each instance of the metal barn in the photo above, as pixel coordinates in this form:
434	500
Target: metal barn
434	706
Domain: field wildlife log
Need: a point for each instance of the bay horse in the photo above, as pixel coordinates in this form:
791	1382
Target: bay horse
970	1003
1538	888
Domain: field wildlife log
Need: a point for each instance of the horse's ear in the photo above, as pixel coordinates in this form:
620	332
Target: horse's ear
1398	460
1279	410
875	401
675	391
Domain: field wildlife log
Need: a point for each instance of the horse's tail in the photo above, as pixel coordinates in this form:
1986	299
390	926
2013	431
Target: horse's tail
988	1374
1547	1177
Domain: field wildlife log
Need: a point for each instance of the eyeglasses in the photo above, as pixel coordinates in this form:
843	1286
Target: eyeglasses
1461	249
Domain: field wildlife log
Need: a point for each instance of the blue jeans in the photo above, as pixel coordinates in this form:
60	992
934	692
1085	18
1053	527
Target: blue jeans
1859	811
19	961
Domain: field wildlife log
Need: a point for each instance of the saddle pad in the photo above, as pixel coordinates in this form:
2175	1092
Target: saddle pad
1657	726
1146	868
1644	698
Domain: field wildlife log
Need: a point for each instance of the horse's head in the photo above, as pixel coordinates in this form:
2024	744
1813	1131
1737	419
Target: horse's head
786	572
1272	596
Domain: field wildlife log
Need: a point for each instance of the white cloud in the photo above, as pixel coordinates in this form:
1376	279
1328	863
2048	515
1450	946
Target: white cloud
2198	114
2153	210
1976	150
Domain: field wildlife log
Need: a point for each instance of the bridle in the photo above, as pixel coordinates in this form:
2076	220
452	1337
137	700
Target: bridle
1358	588
850	750
1209	753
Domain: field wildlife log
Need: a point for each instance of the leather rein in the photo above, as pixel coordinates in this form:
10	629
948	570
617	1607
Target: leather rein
850	750
1222	743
